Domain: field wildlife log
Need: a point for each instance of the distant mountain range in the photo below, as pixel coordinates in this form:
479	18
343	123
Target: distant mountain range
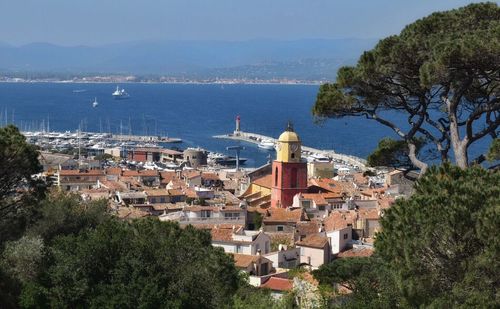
305	59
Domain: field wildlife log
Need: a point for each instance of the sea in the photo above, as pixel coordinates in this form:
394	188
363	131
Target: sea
192	112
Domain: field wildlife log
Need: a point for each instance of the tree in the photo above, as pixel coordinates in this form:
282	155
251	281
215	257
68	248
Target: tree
64	214
144	263
19	191
366	277
393	153
494	151
441	244
441	73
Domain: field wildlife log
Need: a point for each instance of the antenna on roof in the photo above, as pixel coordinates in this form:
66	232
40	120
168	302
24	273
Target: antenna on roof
289	126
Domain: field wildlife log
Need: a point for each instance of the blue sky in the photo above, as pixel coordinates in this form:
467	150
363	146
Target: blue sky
96	22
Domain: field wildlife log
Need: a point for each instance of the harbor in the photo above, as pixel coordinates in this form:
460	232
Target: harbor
257	139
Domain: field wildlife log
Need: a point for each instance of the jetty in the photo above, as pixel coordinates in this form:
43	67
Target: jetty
255	138
101	136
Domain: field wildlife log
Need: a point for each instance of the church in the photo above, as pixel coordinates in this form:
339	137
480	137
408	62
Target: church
284	178
289	171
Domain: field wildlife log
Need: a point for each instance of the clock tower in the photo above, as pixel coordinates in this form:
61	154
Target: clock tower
289	170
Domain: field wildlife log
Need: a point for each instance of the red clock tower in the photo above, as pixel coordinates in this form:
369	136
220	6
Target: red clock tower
289	170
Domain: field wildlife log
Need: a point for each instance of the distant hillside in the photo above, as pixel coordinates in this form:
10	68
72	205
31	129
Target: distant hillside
258	58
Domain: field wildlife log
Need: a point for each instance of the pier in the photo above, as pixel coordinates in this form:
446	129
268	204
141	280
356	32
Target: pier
102	136
255	138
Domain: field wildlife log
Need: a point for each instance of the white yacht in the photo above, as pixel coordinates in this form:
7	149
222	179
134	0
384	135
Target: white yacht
120	94
266	144
95	104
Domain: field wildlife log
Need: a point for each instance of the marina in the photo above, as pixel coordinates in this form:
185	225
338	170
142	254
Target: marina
309	152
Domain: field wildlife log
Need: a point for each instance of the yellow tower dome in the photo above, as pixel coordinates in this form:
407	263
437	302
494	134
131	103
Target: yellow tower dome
289	146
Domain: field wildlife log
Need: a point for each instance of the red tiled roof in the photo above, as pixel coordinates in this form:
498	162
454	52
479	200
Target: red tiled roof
356	252
171	152
157	192
313	241
136	173
222	235
210	176
114	171
265	181
339	219
96	172
278	284
285	215
166	177
245	260
318	198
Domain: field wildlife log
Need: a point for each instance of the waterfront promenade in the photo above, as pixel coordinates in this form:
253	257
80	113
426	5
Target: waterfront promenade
255	138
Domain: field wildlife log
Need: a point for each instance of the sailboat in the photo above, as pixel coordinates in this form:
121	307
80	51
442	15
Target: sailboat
95	103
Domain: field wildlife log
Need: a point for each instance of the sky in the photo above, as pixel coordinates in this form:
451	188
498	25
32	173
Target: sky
98	22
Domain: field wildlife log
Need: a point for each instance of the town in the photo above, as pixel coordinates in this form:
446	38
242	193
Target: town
288	213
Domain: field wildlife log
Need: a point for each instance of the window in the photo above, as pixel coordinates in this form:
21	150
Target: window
294	178
162	200
306	203
346	235
205	214
276	176
231	215
238	249
321	208
293	155
280	228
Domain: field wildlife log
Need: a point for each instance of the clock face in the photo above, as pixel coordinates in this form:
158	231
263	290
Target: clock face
294	147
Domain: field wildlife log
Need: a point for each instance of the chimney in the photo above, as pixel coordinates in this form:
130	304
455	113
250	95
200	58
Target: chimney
259	252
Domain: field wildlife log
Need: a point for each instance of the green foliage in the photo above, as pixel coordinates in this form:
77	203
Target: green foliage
22	258
19	192
390	152
494	151
366	277
441	244
249	297
440	73
145	264
257	219
64	214
104	157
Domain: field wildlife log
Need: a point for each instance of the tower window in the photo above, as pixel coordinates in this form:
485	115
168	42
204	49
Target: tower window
293	184
276	176
293	155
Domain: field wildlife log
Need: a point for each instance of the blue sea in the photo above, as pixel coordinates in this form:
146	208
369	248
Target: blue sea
192	112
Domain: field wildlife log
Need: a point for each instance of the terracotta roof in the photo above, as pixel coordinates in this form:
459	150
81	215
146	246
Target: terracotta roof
339	219
136	173
97	172
265	181
167	176
210	176
114	171
360	179
113	185
245	260
285	215
175	192
370	213
171	152
308	227
278	284
385	202
313	241
157	192
147	149
334	186
189	174
222	235
318	198
131	213
356	252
